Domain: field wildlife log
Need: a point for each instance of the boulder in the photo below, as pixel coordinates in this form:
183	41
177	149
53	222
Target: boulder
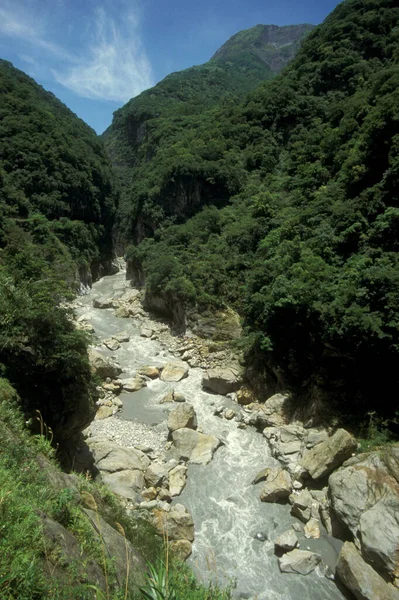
102	303
286	542
146	331
182	416
327	456
177	524
302	504
261	476
112	344
121	337
174	371
194	446
312	529
104	412
168	398
177	480
244	396
178	397
229	414
133	385
221	381
126	483
276	411
360	578
277	487
181	549
302	562
117	548
103	366
156	475
149	371
379	535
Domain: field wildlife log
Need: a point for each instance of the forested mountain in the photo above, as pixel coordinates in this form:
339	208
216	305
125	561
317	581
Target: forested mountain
141	139
300	230
57	206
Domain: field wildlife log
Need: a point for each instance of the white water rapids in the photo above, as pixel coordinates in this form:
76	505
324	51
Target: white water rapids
225	506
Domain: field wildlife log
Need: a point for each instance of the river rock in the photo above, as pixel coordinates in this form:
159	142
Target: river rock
174	371
149	371
277	487
149	493
102	303
168	398
182	416
194	446
302	562
365	498
104	412
229	414
103	366
177	524
312	529
177	480
127	483
276	411
325	457
360	578
302	505
112	344
221	380
179	397
156	475
286	542
146	331
181	549
244	396
261	476
121	337
133	385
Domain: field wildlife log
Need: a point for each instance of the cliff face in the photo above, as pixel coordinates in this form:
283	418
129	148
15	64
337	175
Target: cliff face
147	141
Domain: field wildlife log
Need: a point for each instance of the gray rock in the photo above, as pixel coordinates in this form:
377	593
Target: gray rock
177	524
324	458
149	371
277	487
125	483
103	366
302	505
286	542
156	475
146	331
221	381
194	446
102	303
276	411
181	549
360	578
302	562
174	371
379	534
177	480
121	337
182	416
133	385
312	529
112	344
179	397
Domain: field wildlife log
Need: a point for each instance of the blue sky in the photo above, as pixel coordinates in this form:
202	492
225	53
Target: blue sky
96	54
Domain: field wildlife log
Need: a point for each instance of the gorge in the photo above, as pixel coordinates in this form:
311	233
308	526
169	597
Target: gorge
227	385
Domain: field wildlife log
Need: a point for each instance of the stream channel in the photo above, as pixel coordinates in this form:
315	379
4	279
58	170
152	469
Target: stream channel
225	506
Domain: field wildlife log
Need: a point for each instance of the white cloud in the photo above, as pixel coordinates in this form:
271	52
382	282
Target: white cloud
108	61
116	66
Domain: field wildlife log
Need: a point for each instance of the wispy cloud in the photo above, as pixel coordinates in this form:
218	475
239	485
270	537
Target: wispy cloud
116	66
108	60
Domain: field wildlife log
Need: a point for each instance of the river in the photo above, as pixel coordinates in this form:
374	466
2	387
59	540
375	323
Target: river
224	504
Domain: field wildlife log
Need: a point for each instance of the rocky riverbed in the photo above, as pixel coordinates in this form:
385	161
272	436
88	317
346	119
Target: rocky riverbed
248	490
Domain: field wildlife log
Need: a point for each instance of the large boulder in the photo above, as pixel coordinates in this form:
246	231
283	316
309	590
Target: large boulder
156	475
194	446
302	562
360	578
177	524
177	480
302	505
102	303
103	366
149	371
221	381
286	542
278	486
276	411
182	416
122	469
133	385
327	456
174	371
365	498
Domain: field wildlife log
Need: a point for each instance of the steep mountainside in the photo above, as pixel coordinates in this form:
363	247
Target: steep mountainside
307	248
57	206
146	124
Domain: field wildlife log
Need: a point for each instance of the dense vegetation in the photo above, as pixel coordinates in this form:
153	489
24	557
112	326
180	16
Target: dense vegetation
57	205
306	248
152	140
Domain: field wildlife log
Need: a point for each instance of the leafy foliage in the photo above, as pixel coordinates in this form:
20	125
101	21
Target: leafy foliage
307	247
